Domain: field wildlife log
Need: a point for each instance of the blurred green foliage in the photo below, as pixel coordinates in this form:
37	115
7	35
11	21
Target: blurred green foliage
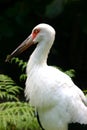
14	113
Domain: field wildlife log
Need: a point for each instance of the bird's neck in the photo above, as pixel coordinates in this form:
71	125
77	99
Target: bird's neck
40	55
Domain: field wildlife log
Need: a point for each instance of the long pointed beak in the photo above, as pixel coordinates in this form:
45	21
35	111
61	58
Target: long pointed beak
22	47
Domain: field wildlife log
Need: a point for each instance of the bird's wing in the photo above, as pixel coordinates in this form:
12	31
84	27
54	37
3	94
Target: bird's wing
76	104
38	119
73	99
81	95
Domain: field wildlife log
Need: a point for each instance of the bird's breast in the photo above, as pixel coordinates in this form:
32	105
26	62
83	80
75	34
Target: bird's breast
44	86
40	87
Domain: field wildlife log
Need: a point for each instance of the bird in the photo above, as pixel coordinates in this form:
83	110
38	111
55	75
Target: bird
56	98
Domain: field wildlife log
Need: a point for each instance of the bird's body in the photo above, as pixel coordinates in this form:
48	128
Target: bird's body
54	95
56	98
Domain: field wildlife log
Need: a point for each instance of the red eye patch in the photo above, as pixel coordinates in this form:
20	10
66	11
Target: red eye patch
35	32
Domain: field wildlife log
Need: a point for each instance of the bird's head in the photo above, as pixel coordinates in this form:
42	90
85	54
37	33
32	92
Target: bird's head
42	32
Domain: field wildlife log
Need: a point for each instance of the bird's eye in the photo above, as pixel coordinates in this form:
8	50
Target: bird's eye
35	32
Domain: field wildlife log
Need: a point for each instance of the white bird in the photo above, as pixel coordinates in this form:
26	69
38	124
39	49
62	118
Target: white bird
54	95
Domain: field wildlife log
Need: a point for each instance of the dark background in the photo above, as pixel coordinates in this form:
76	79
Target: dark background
68	17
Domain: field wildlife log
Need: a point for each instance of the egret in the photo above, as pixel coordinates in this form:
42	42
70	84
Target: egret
55	97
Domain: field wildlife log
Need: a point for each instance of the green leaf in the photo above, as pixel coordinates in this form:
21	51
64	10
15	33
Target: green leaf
8	88
17	114
70	72
23	77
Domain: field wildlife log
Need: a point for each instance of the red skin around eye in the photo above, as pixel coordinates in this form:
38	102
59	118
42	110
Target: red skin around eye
35	32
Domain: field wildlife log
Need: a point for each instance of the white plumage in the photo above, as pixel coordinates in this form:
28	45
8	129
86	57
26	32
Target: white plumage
56	98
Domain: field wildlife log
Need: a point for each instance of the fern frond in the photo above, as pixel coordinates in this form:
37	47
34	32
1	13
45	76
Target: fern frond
23	77
70	72
17	114
8	88
20	63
